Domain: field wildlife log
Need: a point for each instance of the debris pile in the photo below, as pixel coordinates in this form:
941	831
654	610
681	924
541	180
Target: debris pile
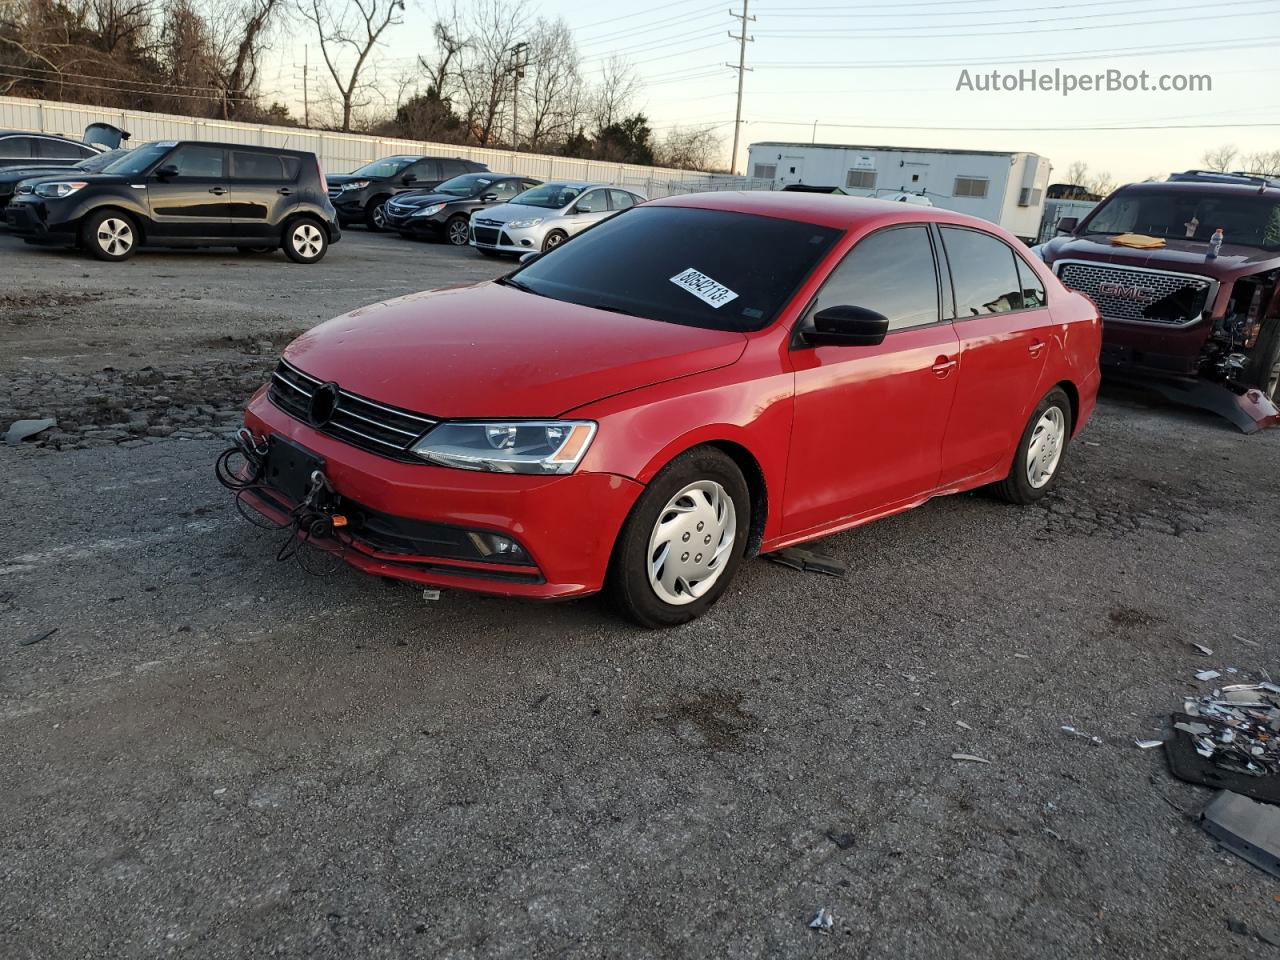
1236	727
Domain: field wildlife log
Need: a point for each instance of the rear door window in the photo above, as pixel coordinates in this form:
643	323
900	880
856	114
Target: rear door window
16	148
621	199
593	201
892	272
505	189
984	273
50	149
429	170
1032	289
251	165
196	162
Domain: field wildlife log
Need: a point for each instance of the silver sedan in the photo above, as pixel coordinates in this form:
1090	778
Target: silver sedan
544	217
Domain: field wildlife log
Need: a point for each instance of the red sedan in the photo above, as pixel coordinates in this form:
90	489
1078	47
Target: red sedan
695	381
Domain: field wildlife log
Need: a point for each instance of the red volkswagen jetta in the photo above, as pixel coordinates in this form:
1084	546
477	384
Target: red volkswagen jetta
695	381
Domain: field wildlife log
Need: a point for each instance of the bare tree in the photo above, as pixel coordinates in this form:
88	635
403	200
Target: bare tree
553	99
487	65
1223	158
689	148
616	92
1265	162
240	47
348	35
1079	175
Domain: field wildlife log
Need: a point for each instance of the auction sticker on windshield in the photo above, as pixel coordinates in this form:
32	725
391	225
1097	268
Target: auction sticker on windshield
704	288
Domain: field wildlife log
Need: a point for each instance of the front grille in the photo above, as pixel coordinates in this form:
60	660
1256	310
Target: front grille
334	193
402	207
356	420
1147	296
485	235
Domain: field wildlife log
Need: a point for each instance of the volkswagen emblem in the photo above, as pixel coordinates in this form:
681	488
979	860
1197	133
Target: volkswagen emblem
323	404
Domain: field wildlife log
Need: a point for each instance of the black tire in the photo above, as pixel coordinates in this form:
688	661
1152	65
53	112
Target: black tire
305	240
457	231
258	251
553	240
110	235
374	215
628	584
1017	487
1263	371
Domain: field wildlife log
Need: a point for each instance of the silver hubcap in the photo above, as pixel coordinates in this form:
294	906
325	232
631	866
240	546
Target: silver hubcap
554	240
458	233
1045	449
379	216
307	240
115	236
691	542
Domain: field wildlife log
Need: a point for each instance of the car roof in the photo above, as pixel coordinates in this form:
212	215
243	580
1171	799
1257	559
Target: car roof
227	146
1220	188
824	209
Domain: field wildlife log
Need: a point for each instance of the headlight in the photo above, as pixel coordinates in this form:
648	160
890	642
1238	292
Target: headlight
517	446
521	224
429	210
63	188
355	185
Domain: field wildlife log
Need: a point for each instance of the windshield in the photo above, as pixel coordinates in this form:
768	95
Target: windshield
136	161
465	185
551	196
101	161
700	268
386	167
1251	220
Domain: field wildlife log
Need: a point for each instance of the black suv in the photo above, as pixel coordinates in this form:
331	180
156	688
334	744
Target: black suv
359	195
185	193
445	212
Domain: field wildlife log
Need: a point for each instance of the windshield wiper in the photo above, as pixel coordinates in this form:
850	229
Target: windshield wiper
519	285
611	309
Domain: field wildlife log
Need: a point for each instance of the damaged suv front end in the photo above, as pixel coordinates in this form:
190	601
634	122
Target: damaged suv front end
1193	317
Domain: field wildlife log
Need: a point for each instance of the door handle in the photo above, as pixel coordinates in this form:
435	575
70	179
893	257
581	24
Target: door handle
285	192
1035	348
943	365
218	191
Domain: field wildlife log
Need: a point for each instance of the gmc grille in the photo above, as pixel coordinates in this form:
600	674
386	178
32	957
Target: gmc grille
360	422
1147	296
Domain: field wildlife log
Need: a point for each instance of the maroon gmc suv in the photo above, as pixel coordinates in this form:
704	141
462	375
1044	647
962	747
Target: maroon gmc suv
1195	318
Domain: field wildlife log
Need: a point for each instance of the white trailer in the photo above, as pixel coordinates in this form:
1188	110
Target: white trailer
1005	188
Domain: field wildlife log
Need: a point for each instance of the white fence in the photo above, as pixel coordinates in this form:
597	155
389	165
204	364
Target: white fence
343	152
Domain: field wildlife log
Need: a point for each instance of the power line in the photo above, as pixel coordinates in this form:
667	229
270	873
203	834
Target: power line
664	25
878	126
631	16
174	93
865	14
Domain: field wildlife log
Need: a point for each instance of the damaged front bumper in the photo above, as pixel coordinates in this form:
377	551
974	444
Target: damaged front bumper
431	525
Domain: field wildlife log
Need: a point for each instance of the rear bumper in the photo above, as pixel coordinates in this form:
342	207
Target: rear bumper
567	524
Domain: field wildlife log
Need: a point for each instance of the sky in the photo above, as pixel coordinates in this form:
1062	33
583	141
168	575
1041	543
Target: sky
888	73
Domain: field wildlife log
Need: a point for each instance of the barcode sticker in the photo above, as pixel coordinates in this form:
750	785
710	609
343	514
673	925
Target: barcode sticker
704	288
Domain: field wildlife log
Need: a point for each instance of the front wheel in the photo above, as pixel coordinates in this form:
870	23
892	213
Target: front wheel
305	241
683	542
553	240
375	216
110	235
1038	459
458	231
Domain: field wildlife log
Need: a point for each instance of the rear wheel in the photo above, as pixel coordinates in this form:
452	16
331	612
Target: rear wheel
683	542
375	217
305	241
1038	459
110	235
553	240
458	231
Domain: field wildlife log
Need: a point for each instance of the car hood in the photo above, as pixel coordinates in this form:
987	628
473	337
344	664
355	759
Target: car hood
425	198
506	212
340	178
494	351
1179	256
22	173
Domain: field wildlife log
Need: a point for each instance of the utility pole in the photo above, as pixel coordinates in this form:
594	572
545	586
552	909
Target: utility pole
306	100
742	69
518	66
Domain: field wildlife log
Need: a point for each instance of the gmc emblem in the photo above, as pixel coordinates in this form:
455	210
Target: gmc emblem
1125	291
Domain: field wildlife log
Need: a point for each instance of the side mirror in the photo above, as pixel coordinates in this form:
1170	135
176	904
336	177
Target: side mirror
408	178
489	198
168	170
529	257
1068	224
847	326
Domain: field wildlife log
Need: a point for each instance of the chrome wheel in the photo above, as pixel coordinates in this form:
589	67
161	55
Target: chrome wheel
115	236
553	240
459	233
1044	450
691	542
379	217
308	240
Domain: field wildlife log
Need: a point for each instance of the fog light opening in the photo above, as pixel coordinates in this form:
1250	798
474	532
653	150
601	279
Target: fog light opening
496	546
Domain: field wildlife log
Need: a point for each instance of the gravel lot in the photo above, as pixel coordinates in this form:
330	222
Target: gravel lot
216	755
